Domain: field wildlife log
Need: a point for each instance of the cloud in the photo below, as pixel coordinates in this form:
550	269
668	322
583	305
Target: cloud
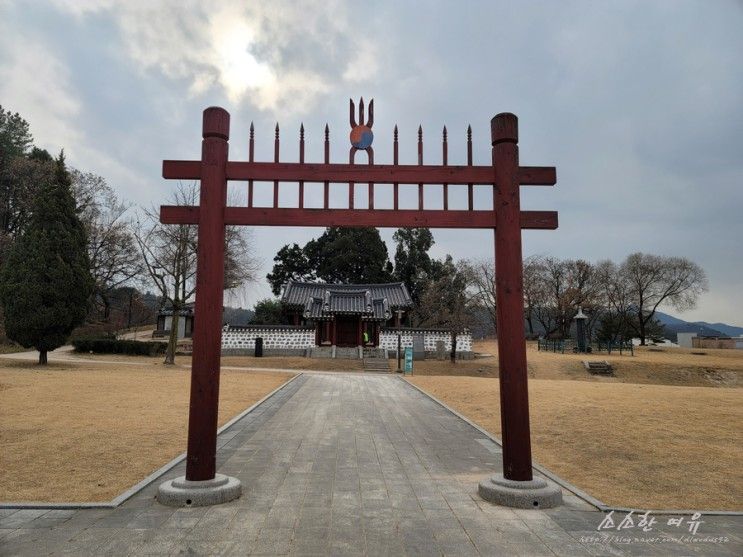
279	56
52	106
39	85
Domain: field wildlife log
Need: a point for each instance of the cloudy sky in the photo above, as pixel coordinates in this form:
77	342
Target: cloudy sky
637	104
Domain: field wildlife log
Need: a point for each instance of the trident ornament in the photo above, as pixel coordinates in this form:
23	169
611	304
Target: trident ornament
361	136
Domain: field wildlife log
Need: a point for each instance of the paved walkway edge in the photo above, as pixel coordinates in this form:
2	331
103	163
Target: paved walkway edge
567	485
119	499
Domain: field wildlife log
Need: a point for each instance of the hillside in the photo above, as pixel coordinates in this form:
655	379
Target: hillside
674	325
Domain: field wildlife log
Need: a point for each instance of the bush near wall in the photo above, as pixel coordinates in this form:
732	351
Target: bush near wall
113	346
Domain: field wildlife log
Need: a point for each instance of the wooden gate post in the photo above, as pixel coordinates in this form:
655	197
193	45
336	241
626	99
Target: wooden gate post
201	485
516	487
509	291
207	337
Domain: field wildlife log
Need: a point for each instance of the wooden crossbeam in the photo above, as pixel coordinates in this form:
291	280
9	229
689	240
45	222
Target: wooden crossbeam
378	173
381	218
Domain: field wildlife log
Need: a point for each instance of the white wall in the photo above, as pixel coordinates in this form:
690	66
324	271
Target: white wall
684	339
279	337
388	339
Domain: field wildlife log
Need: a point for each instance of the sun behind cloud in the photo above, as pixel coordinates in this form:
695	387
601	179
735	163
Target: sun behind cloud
239	70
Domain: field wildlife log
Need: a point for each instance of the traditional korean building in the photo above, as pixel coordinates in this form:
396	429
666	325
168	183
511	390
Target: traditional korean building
165	320
341	313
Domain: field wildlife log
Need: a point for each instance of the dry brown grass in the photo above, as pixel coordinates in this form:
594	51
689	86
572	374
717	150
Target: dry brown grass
677	366
645	446
292	363
298	363
87	432
672	366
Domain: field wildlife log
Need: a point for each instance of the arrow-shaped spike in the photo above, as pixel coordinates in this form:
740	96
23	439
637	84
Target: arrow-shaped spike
352	113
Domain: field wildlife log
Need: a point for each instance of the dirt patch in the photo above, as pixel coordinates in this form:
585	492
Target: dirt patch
81	432
645	446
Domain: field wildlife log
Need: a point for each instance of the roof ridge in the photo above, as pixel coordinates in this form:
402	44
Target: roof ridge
358	285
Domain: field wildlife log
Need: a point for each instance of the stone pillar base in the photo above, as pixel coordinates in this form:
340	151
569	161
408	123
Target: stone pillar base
181	492
534	494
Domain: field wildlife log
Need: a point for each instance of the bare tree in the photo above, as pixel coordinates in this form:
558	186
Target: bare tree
653	280
169	254
615	313
534	294
555	290
481	279
112	249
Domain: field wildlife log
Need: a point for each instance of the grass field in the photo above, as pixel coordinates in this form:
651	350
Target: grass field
671	366
285	363
666	431
683	367
87	432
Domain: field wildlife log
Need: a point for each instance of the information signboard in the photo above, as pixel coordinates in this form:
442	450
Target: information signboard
408	360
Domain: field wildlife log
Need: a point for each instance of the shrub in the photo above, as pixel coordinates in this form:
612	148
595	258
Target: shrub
113	346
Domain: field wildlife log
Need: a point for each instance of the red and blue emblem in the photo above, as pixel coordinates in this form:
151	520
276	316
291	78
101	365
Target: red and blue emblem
361	137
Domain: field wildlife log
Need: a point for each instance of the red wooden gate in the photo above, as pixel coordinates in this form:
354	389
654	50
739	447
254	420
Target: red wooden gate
504	175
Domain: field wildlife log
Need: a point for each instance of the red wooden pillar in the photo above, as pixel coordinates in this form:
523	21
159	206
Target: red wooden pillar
514	397
207	337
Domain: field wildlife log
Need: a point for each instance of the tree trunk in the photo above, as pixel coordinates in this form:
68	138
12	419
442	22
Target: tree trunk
129	313
42	358
173	339
642	328
453	353
106	308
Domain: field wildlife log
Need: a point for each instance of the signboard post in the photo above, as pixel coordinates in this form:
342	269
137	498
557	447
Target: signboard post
408	360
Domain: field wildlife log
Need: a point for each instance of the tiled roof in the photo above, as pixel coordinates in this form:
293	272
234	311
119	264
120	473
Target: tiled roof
299	293
371	301
186	309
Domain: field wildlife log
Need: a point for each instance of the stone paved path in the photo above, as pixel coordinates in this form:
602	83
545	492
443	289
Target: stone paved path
346	465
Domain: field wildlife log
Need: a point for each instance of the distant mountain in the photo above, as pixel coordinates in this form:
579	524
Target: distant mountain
674	325
730	330
669	319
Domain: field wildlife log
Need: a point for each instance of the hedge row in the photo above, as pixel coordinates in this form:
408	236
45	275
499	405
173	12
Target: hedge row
113	346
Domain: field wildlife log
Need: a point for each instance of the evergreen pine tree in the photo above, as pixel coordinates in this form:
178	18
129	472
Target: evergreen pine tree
45	282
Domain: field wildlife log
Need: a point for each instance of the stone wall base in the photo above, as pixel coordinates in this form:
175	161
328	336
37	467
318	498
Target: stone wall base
433	355
267	352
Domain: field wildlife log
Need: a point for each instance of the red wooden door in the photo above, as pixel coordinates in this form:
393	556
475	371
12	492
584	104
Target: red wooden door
347	330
